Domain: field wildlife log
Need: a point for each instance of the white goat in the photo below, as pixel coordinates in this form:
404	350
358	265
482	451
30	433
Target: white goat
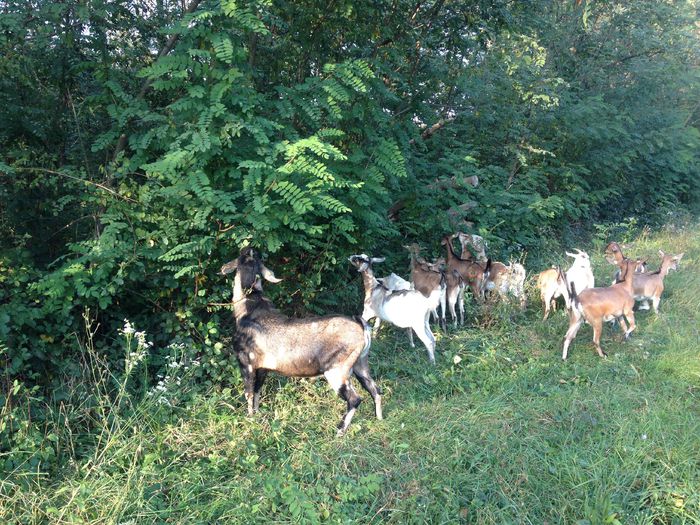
403	308
391	282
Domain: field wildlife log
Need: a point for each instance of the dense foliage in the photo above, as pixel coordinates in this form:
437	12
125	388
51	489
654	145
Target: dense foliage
142	143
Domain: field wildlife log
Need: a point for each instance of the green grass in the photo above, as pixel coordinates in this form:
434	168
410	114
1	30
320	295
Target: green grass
509	434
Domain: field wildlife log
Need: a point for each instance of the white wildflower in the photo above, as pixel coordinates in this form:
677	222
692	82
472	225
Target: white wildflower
456	359
128	328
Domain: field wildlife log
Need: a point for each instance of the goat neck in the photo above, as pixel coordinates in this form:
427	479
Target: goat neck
247	284
451	255
626	280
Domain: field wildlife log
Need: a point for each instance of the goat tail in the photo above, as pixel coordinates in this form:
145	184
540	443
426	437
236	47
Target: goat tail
575	303
561	278
368	335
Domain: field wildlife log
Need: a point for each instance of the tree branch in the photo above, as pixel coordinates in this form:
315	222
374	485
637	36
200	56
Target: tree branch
430	130
72	177
167	48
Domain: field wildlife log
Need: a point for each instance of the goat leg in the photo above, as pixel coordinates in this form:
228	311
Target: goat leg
597	326
248	386
410	337
574	325
260	376
428	339
361	371
347	392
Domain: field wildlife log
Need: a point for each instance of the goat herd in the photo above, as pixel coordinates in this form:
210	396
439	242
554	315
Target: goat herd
337	346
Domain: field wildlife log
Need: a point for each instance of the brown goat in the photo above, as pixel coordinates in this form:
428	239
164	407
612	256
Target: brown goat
596	305
471	272
427	278
614	255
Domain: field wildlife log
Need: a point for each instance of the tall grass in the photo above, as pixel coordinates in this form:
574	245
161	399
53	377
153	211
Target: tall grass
500	431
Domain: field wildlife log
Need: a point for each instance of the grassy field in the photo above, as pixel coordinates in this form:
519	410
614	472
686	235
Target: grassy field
500	431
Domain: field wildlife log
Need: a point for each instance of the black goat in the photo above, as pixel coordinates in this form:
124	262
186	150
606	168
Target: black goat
333	346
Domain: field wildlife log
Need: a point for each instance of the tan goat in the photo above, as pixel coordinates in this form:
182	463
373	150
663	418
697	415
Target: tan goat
507	280
551	283
596	305
650	286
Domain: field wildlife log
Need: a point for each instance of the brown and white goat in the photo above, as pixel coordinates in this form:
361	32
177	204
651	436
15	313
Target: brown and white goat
650	286
507	280
598	305
334	346
454	293
614	255
402	308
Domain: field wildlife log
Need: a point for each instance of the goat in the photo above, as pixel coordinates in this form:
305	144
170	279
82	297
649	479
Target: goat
473	246
614	255
470	272
552	285
334	346
428	279
507	280
454	292
403	308
595	305
391	282
395	282
650	286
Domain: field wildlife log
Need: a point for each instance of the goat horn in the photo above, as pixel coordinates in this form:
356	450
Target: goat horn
229	267
269	275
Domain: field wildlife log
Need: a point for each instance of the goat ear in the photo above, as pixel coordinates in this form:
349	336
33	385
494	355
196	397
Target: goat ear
377	259
268	274
229	267
679	256
571	254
